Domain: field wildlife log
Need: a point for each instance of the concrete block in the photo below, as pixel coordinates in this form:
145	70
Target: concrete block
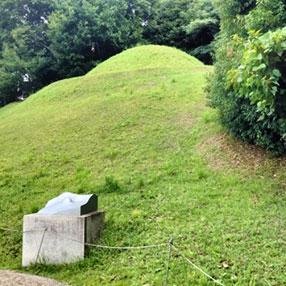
52	239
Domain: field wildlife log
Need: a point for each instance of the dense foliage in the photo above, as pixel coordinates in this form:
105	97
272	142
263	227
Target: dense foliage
247	86
25	58
42	41
186	24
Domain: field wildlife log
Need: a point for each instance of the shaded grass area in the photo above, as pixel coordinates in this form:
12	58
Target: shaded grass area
141	140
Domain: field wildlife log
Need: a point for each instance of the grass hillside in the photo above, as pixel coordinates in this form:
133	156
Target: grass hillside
136	130
147	57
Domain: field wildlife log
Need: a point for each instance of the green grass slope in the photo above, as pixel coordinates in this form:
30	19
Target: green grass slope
136	131
147	57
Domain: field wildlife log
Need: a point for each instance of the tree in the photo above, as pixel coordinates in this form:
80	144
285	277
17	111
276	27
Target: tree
190	25
167	23
201	31
24	52
42	41
83	33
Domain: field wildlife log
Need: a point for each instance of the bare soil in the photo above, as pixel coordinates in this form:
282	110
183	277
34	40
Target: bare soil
223	151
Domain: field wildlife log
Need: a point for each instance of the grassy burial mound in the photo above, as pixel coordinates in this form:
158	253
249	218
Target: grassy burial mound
137	132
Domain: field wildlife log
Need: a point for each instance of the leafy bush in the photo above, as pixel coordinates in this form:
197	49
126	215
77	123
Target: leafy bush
259	76
247	86
259	82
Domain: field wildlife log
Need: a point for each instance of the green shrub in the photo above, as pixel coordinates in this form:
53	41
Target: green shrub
247	86
257	84
259	77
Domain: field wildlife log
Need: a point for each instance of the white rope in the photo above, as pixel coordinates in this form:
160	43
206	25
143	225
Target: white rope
91	244
114	247
40	247
20	231
9	229
127	247
197	267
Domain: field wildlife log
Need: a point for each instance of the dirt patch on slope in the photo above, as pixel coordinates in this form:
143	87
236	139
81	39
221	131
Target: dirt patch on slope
221	151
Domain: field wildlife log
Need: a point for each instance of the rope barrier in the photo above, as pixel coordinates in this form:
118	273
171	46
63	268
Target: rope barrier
90	244
170	244
127	247
197	267
20	231
9	229
42	240
169	260
114	247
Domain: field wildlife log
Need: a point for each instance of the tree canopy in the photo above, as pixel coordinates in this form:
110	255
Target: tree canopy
42	41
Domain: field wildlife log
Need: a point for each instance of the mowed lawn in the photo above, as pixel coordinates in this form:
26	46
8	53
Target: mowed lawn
137	131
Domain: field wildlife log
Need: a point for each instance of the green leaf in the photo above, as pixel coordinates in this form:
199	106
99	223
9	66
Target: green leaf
260	67
277	73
